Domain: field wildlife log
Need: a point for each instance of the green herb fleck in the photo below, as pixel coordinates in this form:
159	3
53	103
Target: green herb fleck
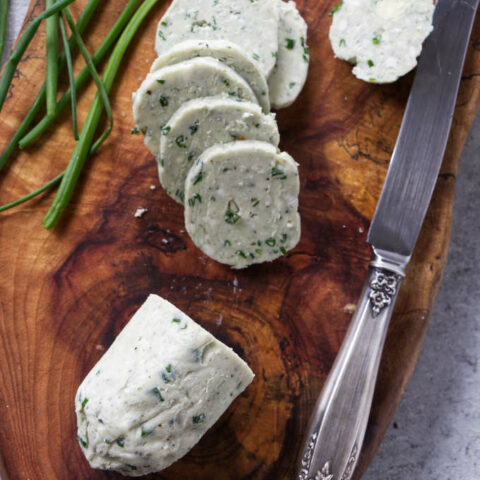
190	156
370	63
176	320
271	242
255	201
199	418
289	43
194	199
259	251
343	42
283	250
372	80
284	238
84	402
256	56
197	178
120	442
227	243
292	84
335	9
135	131
83	443
193	128
163	101
169	368
133	467
277	172
180	194
164	24
162	36
180	141
377	39
275	54
158	394
145	432
240	253
231	215
161	81
166	130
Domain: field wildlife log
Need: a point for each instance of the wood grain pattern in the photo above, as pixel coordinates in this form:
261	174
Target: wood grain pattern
65	294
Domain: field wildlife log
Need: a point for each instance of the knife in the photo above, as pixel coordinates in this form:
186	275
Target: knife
337	427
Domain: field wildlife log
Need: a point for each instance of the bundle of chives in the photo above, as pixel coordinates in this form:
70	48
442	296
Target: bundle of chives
83	20
84	145
82	76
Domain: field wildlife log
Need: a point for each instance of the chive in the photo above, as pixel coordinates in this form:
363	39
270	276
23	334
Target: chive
370	63
193	128
82	77
255	201
83	443
198	178
284	238
163	101
71	76
343	42
134	131
133	467
3	24
164	24
144	432
85	17
161	81
166	130
289	43
93	72
283	251
82	147
169	368
180	141
240	253
231	215
256	56
85	401
158	394
120	442
199	418
176	320
270	242
51	28
193	200
277	172
22	44
35	193
227	243
377	39
335	9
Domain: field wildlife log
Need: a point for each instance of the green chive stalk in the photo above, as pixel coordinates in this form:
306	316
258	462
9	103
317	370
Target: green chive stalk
40	190
83	20
91	67
83	76
22	45
71	75
83	146
3	24
51	28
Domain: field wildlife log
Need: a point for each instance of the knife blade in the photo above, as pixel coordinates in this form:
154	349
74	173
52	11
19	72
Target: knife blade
338	423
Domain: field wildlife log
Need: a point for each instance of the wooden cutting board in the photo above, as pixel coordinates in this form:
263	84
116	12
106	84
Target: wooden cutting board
66	293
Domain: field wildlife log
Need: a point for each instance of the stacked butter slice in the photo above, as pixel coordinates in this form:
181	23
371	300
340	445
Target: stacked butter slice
204	110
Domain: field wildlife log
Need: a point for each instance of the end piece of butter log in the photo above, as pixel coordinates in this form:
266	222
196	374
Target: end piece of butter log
156	391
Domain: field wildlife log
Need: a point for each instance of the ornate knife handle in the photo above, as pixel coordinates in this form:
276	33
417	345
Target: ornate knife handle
337	426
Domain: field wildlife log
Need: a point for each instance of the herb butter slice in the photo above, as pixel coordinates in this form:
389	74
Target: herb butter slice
250	24
241	202
290	72
166	89
227	53
155	392
202	123
382	38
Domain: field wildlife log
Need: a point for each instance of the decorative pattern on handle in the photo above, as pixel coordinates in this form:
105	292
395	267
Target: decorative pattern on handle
383	288
307	457
347	474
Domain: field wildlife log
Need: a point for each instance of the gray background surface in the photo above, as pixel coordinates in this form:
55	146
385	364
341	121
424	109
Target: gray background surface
436	431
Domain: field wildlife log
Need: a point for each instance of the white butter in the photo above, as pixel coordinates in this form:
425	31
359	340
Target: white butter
383	38
155	392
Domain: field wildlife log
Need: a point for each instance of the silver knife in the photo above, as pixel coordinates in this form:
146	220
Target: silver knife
337	426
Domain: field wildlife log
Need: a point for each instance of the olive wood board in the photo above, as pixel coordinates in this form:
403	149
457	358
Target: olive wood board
65	294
